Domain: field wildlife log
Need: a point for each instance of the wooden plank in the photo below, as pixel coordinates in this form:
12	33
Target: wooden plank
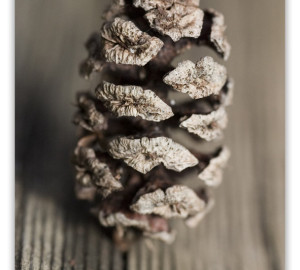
27	233
19	214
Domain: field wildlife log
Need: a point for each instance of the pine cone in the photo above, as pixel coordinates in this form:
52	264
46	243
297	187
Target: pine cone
127	164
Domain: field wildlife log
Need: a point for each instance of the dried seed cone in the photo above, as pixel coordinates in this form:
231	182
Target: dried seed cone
127	163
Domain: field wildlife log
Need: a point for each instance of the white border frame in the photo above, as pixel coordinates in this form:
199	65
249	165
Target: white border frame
7	134
292	135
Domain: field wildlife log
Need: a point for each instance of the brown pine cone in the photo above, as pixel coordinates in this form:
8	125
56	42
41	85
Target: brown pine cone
126	161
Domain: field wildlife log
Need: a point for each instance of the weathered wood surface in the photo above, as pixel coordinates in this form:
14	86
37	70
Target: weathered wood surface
54	231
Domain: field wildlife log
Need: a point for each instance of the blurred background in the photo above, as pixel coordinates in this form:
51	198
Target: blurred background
54	231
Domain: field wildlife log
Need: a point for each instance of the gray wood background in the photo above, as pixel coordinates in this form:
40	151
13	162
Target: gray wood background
54	231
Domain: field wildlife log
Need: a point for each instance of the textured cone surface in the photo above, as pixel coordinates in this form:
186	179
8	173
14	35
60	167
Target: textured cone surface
133	100
146	153
127	163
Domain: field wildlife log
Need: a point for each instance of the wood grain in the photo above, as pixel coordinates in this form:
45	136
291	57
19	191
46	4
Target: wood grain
54	231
